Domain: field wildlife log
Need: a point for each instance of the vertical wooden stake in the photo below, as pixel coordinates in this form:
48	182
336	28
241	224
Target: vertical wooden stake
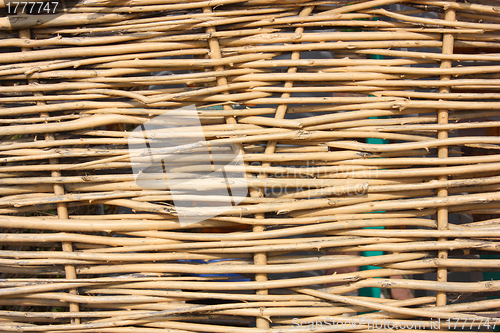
259	258
442	212
62	209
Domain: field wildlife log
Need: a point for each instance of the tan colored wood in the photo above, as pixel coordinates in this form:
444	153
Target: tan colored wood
294	85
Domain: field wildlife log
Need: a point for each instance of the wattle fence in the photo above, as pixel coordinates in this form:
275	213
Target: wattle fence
250	166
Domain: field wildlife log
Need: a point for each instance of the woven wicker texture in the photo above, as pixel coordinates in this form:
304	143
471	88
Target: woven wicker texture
343	115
